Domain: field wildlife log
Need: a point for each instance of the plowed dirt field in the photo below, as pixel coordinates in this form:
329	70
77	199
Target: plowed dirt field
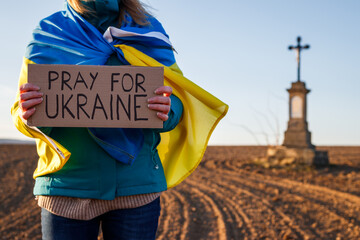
227	197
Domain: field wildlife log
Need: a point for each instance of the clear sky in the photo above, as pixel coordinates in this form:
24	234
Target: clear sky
237	50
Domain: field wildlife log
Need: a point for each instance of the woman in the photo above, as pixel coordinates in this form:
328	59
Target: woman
130	210
83	177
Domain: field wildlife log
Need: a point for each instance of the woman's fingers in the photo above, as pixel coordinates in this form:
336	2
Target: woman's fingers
162	116
166	91
161	103
26	105
29	98
26	114
160	100
30	95
26	87
160	108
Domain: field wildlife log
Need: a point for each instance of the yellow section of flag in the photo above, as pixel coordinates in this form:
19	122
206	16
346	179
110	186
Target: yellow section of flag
182	149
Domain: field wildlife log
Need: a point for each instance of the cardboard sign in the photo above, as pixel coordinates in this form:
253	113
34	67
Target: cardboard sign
95	96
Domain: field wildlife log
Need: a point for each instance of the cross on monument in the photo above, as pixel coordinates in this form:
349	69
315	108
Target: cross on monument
298	49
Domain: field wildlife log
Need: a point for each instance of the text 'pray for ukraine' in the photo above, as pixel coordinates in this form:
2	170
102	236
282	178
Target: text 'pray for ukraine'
95	96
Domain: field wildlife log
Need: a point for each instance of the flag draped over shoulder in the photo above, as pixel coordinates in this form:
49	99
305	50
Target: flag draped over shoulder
66	38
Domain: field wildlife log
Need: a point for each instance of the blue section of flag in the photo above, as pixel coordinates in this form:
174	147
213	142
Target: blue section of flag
69	34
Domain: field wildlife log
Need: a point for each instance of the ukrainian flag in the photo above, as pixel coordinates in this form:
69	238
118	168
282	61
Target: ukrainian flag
66	38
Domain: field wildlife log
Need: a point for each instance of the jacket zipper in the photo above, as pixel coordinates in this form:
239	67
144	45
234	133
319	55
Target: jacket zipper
154	151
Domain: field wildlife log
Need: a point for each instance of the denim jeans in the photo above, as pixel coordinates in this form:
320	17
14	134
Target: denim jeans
130	224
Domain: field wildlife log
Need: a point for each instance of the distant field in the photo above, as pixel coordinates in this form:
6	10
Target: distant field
14	141
227	197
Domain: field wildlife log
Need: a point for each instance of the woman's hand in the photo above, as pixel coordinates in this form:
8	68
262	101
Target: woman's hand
161	103
29	98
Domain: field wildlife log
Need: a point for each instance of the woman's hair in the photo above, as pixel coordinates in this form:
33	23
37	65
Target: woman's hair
132	7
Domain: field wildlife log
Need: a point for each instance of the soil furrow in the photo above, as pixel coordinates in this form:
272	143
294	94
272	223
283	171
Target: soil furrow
164	217
231	209
220	223
176	218
185	214
229	188
332	217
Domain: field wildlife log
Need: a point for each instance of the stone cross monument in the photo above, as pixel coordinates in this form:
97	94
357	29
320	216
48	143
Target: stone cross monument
296	148
297	134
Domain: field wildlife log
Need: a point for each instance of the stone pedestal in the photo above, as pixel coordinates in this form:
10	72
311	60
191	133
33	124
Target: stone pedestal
297	134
